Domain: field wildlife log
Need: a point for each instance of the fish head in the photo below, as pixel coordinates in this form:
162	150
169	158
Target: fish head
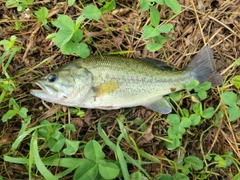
68	87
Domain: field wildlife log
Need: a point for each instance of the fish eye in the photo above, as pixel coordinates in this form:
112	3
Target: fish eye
52	78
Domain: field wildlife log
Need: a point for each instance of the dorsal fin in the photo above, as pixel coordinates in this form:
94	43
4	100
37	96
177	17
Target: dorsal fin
158	64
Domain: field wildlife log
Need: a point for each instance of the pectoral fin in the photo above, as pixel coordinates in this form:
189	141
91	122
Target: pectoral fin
161	106
106	88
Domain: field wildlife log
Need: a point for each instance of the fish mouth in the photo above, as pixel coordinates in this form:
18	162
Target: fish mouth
43	91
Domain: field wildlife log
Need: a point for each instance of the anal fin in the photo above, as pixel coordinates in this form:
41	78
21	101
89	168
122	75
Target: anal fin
161	106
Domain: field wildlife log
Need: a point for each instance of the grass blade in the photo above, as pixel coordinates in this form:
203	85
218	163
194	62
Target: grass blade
40	166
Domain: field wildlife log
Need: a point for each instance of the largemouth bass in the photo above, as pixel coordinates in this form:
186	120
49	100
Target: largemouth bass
112	82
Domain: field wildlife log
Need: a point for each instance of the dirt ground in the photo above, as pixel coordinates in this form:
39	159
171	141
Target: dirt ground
212	22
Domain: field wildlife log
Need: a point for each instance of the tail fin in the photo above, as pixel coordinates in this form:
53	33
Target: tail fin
203	69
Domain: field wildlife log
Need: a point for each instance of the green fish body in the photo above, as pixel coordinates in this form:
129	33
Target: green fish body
112	82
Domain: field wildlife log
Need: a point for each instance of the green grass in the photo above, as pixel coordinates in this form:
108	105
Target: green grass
56	150
93	165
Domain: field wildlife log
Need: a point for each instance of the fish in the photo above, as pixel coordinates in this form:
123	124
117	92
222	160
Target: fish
113	82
